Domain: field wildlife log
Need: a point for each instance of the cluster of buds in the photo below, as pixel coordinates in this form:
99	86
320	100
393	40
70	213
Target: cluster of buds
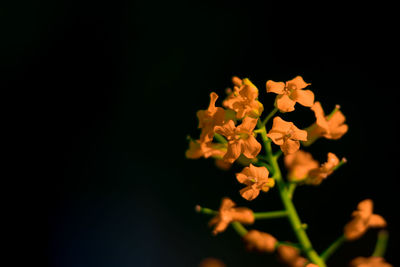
236	132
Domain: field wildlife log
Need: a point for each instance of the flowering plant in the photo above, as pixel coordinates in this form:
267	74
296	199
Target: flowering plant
237	133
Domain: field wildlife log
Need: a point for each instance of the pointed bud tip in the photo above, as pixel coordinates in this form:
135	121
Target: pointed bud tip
337	107
197	208
344	160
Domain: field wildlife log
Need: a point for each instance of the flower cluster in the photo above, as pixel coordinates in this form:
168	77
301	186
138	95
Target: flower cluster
236	132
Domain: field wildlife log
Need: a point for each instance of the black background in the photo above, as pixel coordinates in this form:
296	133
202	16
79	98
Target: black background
112	89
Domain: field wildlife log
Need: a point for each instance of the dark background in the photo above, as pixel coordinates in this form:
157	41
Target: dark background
112	89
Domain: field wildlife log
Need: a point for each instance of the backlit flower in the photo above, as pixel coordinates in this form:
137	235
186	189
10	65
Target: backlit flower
240	139
330	127
243	99
260	241
363	219
286	135
317	175
211	117
229	213
369	262
256	179
291	256
299	164
291	92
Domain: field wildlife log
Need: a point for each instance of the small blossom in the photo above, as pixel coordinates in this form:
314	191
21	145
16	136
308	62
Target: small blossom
317	175
255	178
211	262
210	118
198	149
243	99
299	165
260	241
291	256
369	262
291	92
363	219
229	213
330	127
222	164
240	139
286	135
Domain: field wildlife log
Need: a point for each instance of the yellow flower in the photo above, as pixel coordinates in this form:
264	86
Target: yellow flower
291	92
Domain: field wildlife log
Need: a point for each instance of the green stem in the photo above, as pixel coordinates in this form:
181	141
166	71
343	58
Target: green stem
270	214
333	247
220	138
381	244
272	113
205	210
290	190
289	206
279	243
239	228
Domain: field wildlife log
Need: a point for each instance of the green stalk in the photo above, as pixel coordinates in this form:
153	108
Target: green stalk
381	244
289	206
270	214
333	247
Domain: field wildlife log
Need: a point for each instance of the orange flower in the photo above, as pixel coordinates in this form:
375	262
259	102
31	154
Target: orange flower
243	99
369	262
299	164
199	149
256	179
363	218
291	256
211	262
211	117
286	135
240	139
330	127
262	242
228	213
291	92
317	175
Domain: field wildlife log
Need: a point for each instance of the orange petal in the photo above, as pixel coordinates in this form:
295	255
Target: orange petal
249	193
237	81
275	87
284	103
337	119
281	126
226	130
297	83
243	179
320	116
366	207
213	99
376	221
234	150
251	147
299	134
304	97
276	137
227	203
290	146
248	125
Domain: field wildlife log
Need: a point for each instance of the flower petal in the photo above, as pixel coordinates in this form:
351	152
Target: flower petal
251	147
234	150
243	179
248	125
249	193
297	83
298	134
304	97
284	103
290	146
280	126
275	87
376	221
227	129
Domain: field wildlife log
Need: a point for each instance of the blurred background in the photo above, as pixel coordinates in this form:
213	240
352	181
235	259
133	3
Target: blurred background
113	88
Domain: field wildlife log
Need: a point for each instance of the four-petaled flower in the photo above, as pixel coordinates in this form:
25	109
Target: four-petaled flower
330	127
260	241
210	118
199	149
291	92
240	139
369	262
243	99
286	135
229	213
363	218
256	179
